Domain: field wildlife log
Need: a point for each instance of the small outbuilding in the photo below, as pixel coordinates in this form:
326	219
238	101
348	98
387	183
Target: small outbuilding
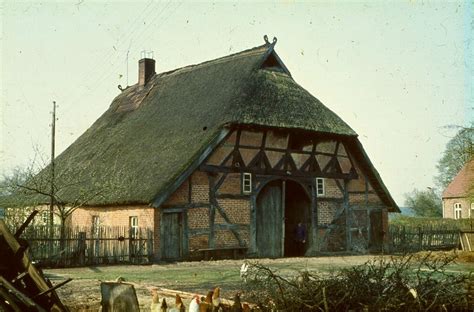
458	197
228	154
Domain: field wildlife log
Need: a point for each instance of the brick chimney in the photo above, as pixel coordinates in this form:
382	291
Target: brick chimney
146	70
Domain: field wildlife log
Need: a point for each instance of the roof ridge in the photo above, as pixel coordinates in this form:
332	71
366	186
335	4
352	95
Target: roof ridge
245	52
466	172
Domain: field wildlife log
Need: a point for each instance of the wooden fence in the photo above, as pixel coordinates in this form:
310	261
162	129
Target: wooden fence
417	238
88	246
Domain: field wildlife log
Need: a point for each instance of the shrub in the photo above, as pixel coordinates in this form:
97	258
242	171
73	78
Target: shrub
410	283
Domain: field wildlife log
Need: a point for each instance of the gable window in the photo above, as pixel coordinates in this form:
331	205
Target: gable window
133	227
246	183
457	211
320	189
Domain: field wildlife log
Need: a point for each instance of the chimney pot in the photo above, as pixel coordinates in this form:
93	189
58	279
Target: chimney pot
146	70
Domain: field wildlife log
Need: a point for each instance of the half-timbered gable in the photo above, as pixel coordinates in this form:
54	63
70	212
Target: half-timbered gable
229	154
314	176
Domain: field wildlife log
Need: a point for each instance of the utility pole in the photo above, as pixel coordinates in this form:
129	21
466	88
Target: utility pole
53	138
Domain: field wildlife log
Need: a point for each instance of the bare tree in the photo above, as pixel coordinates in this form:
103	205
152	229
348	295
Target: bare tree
32	187
459	150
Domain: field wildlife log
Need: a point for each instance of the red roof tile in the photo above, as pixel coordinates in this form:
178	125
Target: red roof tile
462	182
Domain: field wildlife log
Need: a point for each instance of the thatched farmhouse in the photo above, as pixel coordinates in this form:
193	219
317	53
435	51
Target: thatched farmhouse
229	154
458	197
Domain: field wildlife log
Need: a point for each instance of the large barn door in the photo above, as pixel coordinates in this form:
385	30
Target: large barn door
270	220
171	231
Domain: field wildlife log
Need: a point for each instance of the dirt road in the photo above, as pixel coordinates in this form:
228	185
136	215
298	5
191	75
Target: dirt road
83	293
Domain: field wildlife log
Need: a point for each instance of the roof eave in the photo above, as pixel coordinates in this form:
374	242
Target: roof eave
176	182
387	198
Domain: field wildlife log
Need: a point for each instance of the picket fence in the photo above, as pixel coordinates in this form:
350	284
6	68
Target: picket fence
418	238
83	246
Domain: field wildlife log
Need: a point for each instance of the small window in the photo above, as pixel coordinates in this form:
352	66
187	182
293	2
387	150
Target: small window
320	191
134	227
457	211
472	211
247	183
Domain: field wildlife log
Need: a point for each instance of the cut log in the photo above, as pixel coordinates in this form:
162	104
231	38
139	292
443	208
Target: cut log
118	297
164	292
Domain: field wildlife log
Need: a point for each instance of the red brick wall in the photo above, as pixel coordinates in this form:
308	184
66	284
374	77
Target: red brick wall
119	216
327	211
198	218
180	196
198	242
232	184
115	215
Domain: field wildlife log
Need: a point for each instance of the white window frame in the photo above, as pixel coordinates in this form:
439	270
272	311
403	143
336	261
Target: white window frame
246	183
457	209
320	186
133	226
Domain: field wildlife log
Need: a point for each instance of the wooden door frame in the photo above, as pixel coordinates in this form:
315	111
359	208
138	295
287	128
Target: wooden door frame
183	246
253	210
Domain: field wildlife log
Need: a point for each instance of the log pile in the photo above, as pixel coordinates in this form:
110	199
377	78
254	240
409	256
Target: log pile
23	287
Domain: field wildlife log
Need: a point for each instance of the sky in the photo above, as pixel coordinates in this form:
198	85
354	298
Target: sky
400	73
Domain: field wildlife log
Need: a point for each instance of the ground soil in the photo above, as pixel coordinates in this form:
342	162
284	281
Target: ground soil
83	293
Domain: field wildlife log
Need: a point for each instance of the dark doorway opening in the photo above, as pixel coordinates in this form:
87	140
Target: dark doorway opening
281	205
297	209
376	230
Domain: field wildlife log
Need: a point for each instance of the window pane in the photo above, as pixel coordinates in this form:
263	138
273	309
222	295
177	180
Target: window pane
320	186
246	182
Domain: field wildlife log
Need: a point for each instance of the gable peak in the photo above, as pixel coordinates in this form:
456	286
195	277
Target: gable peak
267	42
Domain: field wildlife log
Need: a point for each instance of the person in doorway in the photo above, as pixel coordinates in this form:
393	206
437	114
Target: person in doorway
300	238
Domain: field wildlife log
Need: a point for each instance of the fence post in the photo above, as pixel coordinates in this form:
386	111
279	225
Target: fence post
131	249
420	238
404	240
430	236
149	245
81	248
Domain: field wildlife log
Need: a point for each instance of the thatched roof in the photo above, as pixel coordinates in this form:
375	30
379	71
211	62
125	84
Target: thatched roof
150	135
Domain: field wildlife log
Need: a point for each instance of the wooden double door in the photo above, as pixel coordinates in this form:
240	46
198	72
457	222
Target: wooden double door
280	206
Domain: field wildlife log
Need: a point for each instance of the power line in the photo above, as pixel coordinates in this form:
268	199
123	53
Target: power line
106	73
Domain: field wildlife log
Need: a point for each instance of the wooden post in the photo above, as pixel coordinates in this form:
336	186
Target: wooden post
149	245
420	238
52	199
404	239
348	216
212	212
81	248
430	237
253	222
314	219
368	209
185	238
283	217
